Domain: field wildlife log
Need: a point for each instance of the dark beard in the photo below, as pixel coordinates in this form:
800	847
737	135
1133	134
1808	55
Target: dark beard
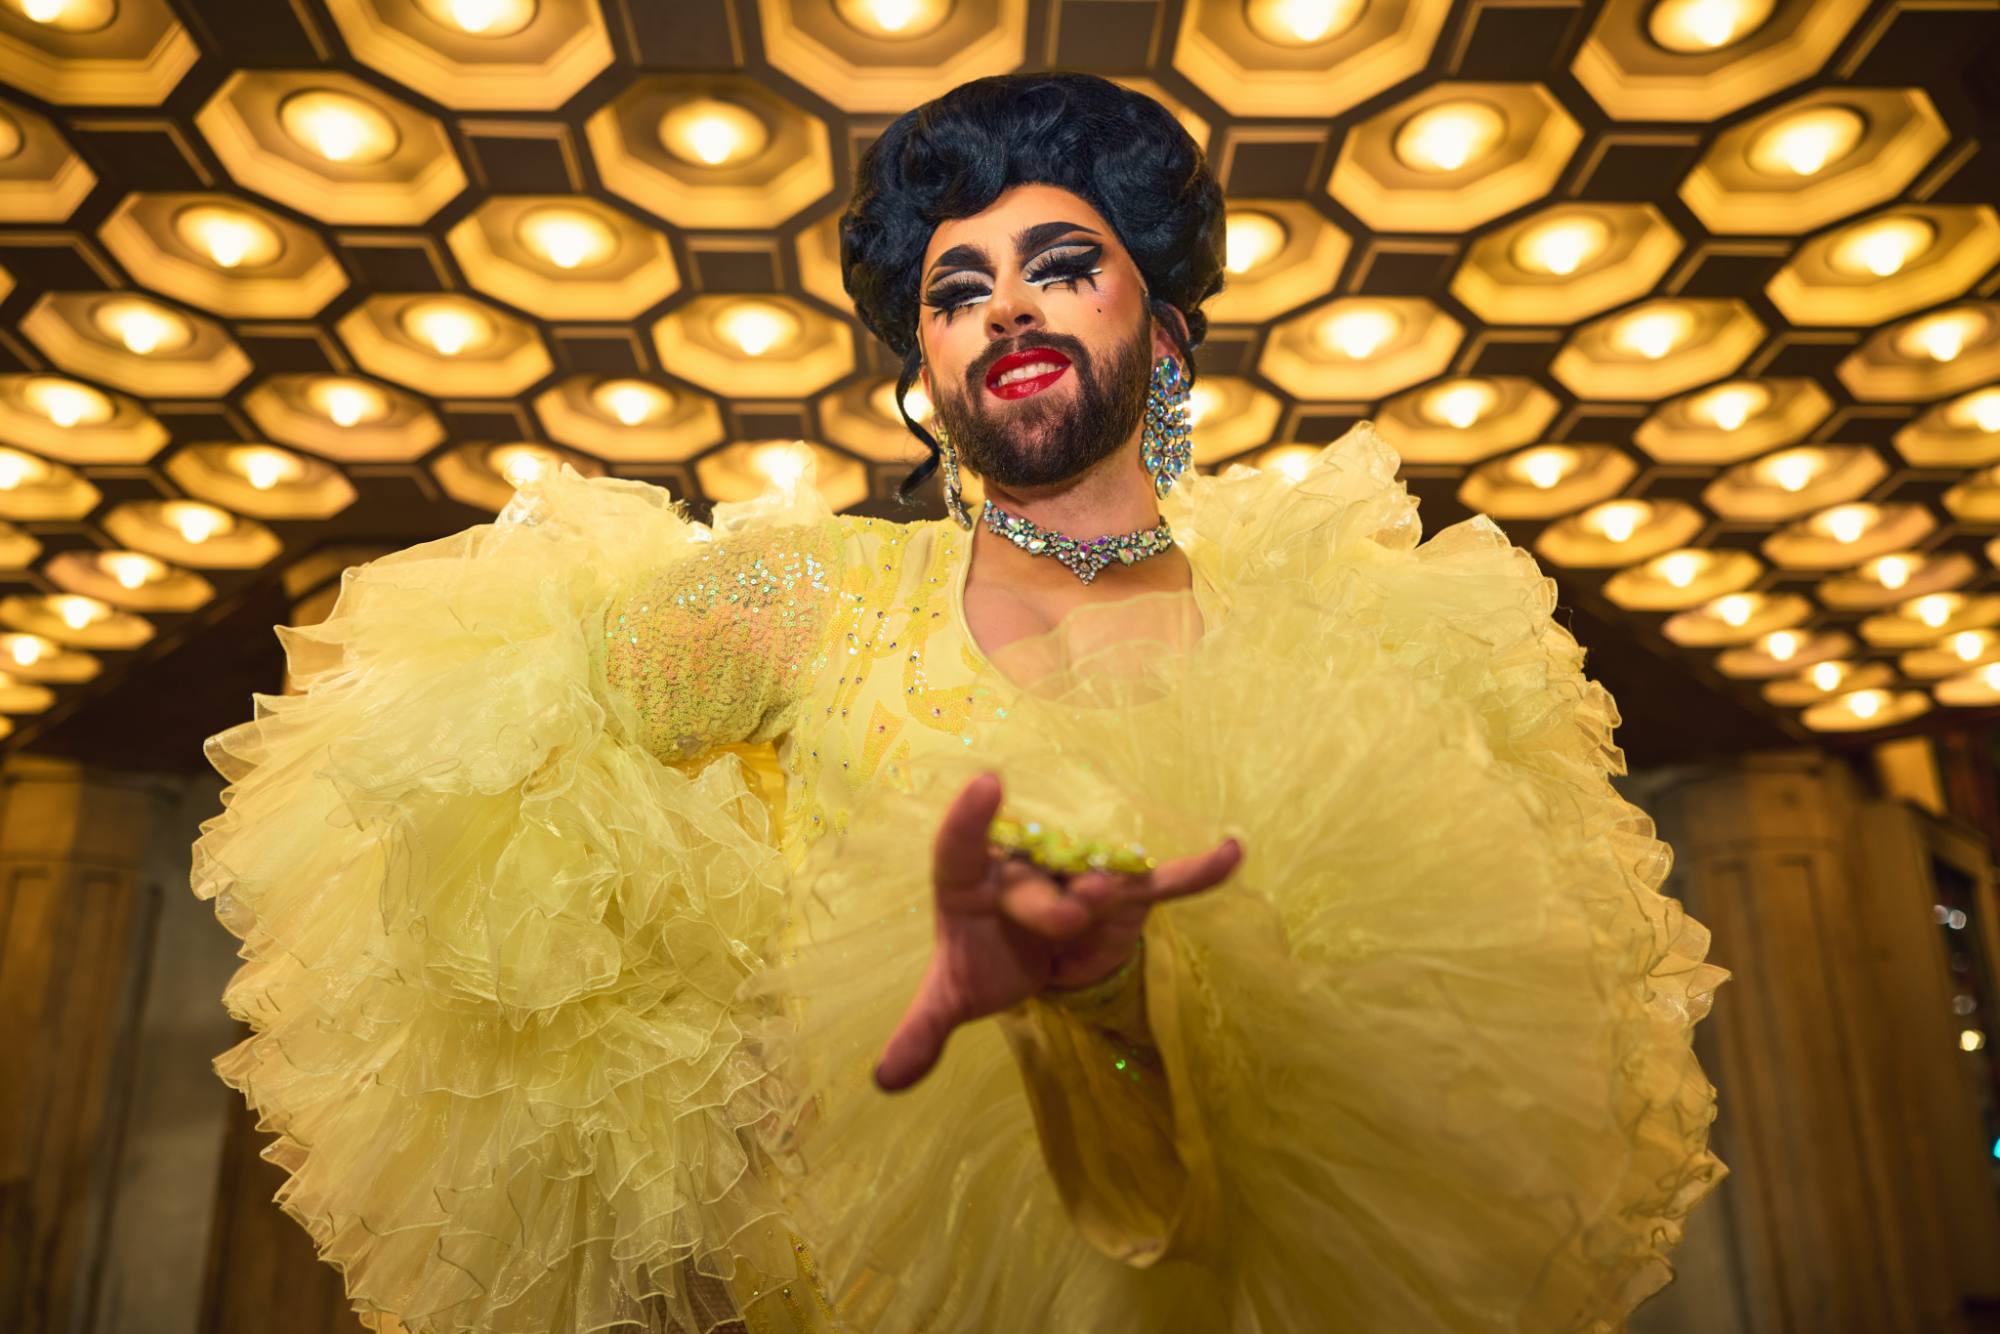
1038	442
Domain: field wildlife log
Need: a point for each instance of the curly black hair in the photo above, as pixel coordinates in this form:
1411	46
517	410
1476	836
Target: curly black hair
953	156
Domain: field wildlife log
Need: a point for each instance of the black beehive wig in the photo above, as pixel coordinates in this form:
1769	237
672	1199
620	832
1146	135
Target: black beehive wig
953	156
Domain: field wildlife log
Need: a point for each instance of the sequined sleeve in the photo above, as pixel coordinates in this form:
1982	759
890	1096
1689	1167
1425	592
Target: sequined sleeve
713	649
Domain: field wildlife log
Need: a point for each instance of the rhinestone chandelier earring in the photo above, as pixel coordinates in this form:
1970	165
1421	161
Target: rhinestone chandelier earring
954	500
1167	445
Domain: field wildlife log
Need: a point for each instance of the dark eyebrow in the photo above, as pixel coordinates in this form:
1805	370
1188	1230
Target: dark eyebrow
1026	240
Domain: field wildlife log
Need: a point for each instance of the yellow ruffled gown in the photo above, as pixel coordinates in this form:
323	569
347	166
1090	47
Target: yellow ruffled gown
582	882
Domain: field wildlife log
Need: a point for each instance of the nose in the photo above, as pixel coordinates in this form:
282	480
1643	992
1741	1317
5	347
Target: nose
1010	312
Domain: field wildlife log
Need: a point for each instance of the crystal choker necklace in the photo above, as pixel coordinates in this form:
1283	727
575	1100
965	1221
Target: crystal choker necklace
1084	559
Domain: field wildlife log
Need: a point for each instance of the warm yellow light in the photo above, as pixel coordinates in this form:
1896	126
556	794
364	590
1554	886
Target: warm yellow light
520	464
1980	411
348	402
1202	401
1729	406
1865	703
918	404
228	236
1460	403
1360	331
567	238
143	327
1251	239
1943	336
18	469
1619	519
67	403
632	402
131	568
1892	572
1735	609
1450	135
1653	332
76	611
338	126
1292	462
1691	26
710	133
27	650
1828	675
1969	645
1792	469
69	15
783	463
1970	1039
1782	645
893	18
1546	465
756	326
1679	568
1562	245
1991	676
1935	609
12	140
265	467
1805	143
1302	22
482	18
1844	523
449	327
1881	248
195	521
44	11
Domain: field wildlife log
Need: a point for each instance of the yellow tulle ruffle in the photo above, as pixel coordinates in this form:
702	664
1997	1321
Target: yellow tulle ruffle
1433	1036
492	947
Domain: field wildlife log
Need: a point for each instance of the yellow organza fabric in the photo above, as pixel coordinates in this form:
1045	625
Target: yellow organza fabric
565	1003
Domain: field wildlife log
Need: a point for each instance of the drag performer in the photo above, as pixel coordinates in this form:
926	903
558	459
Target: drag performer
1136	902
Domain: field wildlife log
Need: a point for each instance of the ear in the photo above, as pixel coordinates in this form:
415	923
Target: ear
1163	340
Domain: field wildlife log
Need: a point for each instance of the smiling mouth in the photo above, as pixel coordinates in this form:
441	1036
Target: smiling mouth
1028	375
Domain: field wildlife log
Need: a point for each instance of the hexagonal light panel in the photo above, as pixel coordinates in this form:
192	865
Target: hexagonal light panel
344	417
564	258
129	54
445	343
1270	58
1682	578
1453	156
1732	421
1702	59
31	657
711	150
871	57
261	480
129	579
1845	535
480	55
141	345
1279	253
1929	356
193	533
1826	676
33	488
1547	480
861	417
225	256
1784	653
1658	348
744	470
1228	415
1894	577
1736	618
1951	655
1974	689
629	420
1794	481
75	621
1962	432
76	422
1866	710
755	346
1566	262
1359	348
1619	532
486	476
332	147
1929	618
1823	157
1465	420
1904	258
41	177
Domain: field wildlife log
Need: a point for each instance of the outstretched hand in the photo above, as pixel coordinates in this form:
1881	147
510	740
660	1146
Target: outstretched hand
1007	929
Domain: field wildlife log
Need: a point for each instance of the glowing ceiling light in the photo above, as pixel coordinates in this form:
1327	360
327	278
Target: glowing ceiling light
1793	469
69	15
44	11
67	403
1969	645
77	611
1653	332
1881	248
1460	403
632	402
1202	401
1360	331
1679	568
711	133
1692	26
1806	142
1302	22
1935	609
1782	645
757	327
1892	572
782	463
348	402
195	521
143	327
1979	410
1845	523
1450	135
27	650
130	568
1252	238
17	469
1735	609
918	404
1866	703
12	140
1943	336
230	237
1730	405
448	327
1828	675
1991	676
1619	519
519	465
1547	465
266	467
482	18
893	18
568	238
338	126
1561	246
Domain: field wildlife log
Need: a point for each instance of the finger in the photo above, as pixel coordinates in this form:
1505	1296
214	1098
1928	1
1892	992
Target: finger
959	857
1191	875
913	1049
1033	901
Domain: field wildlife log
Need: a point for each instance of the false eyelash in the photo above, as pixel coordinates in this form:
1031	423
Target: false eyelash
1062	270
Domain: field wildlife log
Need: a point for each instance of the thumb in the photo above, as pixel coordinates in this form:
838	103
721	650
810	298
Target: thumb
914	1048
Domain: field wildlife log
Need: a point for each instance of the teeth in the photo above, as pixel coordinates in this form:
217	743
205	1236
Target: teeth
1027	372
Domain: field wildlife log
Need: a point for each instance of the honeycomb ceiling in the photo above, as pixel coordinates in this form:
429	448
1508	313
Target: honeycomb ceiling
1700	299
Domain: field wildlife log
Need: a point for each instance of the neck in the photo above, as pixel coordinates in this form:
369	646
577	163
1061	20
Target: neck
1114	496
